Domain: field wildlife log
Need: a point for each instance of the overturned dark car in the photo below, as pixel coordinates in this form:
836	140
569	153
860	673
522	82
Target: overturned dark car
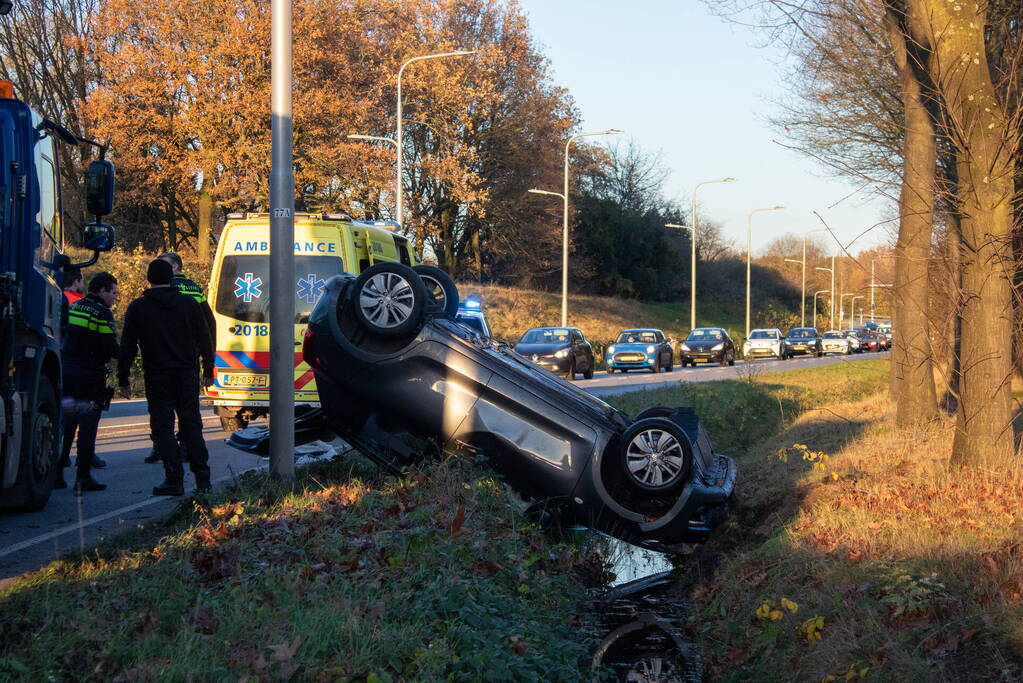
400	379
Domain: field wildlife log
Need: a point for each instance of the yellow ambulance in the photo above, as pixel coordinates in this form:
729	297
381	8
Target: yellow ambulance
325	245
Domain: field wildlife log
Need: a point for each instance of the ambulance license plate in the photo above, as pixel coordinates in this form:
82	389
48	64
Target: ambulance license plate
239	380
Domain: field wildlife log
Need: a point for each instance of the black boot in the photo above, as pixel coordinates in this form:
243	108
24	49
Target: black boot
202	483
88	484
153	457
168	488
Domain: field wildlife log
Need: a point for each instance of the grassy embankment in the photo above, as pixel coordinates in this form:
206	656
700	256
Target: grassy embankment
355	574
854	552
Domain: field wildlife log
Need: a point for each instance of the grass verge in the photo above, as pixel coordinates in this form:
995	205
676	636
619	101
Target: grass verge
354	576
853	552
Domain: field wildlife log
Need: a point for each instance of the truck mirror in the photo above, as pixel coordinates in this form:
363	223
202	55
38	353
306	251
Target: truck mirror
99	236
99	190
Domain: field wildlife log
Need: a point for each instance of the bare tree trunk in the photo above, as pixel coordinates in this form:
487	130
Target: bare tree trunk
912	381
984	142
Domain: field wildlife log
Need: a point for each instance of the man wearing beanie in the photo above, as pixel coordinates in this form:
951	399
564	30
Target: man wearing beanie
173	335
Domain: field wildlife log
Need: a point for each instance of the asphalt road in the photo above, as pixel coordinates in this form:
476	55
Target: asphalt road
30	540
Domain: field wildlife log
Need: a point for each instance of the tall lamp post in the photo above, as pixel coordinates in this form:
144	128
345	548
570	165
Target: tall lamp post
832	307
282	252
841	307
564	236
692	267
852	308
397	140
823	291
749	246
692	271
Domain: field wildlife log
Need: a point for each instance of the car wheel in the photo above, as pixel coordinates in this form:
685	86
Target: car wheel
440	288
654	411
589	372
671	365
389	299
610	370
656	456
731	359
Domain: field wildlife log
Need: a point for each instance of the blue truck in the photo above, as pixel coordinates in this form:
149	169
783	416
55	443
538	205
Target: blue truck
32	304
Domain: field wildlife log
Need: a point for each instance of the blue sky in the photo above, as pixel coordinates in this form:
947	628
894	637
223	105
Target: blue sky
678	79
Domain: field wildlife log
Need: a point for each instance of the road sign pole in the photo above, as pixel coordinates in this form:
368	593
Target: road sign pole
282	248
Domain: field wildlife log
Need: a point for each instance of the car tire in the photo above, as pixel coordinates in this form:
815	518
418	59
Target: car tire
589	372
670	366
655	456
389	300
610	370
654	411
440	288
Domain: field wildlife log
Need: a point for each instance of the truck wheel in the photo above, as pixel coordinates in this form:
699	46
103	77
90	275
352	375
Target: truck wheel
389	299
441	288
656	456
40	449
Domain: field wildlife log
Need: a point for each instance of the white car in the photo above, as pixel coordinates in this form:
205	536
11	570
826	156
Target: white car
836	341
765	343
854	340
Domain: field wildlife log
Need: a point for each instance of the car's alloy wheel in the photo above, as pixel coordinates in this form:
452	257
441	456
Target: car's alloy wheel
656	455
389	299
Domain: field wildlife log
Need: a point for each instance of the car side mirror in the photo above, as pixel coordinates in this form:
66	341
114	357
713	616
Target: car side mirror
99	188
99	236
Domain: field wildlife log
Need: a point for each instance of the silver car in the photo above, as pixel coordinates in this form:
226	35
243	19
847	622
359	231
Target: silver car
765	343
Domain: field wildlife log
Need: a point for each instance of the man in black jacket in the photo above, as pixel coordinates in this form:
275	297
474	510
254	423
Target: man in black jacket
88	347
188	287
170	329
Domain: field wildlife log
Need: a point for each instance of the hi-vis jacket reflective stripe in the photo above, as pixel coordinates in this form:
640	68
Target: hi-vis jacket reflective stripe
189	288
90	343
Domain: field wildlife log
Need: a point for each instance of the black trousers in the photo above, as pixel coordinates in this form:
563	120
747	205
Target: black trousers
81	415
177	393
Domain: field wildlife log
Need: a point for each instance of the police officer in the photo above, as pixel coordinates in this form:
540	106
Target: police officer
188	287
90	344
173	335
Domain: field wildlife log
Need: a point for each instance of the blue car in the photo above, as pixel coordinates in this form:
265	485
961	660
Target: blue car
645	349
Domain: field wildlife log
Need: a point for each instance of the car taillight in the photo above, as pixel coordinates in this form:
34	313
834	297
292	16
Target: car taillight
309	352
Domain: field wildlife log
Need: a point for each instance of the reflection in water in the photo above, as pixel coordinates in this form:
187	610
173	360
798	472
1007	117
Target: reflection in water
641	612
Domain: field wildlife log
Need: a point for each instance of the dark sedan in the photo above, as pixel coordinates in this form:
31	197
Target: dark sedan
805	341
562	350
869	341
707	345
401	382
640	349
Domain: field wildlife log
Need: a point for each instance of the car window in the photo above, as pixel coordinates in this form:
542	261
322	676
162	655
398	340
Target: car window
647	338
763	334
802	333
558	335
472	321
834	335
705	334
243	289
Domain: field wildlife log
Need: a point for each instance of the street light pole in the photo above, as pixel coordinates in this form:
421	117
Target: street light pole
564	235
749	246
282	247
832	307
841	308
852	308
692	258
397	140
692	270
823	291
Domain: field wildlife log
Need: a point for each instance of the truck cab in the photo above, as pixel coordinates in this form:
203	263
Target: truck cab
31	299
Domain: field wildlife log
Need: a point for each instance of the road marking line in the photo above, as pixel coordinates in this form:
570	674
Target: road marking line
152	500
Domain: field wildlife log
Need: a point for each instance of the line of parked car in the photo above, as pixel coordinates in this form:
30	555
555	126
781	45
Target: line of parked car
565	350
